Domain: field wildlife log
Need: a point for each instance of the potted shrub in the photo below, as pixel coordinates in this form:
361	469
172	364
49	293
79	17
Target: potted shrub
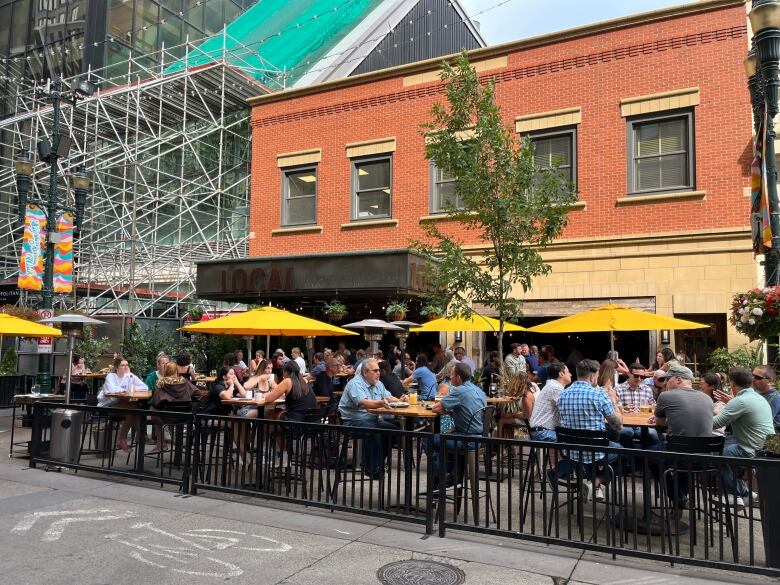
335	310
396	310
432	311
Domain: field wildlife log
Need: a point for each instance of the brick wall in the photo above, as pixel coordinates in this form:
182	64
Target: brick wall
594	73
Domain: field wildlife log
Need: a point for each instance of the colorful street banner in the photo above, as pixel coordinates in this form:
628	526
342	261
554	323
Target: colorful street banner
759	199
33	248
63	254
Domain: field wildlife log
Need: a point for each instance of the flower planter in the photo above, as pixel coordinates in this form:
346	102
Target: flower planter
336	317
397	316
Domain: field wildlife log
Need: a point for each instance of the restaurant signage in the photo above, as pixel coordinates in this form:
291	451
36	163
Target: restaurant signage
396	271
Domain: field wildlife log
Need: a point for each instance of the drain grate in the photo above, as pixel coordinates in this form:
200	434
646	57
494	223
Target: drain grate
419	572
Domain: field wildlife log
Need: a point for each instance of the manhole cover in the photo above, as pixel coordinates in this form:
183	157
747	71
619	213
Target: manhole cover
420	573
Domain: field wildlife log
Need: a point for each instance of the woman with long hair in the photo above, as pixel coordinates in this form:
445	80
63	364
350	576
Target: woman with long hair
709	383
523	393
298	397
121	381
170	387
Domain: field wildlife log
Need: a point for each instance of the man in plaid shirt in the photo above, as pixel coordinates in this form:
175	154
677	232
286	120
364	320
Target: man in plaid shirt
632	394
586	406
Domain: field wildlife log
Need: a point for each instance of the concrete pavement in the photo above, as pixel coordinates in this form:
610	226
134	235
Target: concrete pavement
68	528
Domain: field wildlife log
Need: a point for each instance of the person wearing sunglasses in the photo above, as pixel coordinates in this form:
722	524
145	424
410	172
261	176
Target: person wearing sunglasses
632	395
363	392
764	383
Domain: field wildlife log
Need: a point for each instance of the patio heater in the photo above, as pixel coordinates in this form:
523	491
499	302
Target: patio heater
71	324
403	335
65	422
373	330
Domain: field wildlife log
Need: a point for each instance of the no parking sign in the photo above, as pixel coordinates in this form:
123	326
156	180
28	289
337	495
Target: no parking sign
45	343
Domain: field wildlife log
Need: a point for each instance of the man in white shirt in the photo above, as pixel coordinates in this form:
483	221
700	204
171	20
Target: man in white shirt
514	362
298	359
460	355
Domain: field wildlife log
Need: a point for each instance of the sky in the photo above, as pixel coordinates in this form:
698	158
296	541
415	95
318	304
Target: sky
508	20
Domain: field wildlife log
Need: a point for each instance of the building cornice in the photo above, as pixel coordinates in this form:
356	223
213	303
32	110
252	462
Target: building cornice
505	48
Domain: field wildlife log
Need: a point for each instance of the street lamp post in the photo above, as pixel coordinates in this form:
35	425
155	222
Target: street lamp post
762	66
50	152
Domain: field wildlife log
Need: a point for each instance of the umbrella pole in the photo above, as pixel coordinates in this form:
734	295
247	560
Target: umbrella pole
267	347
612	341
249	349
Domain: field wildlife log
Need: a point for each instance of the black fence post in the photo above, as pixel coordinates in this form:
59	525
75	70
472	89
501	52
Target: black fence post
195	446
429	519
441	511
35	439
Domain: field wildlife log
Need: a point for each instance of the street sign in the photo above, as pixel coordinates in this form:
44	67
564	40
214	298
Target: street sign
45	343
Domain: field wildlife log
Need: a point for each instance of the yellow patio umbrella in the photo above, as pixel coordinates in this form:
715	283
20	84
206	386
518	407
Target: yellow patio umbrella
18	327
267	321
613	318
474	323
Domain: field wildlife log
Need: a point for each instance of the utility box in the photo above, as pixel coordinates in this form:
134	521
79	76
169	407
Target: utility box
66	435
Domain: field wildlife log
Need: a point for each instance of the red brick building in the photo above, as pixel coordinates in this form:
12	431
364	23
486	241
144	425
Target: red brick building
649	113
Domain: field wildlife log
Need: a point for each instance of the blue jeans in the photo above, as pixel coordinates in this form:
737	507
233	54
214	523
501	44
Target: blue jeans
451	441
627	436
544	435
731	485
373	457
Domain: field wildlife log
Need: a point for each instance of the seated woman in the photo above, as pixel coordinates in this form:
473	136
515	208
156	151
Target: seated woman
78	386
171	387
121	382
262	383
185	367
157	372
255	363
298	397
224	387
523	392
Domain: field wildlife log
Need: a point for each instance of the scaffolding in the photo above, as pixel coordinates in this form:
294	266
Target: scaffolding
168	149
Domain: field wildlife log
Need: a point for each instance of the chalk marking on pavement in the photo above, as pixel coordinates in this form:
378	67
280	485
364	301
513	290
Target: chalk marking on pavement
232	570
224	542
149	526
58	527
29	520
340	531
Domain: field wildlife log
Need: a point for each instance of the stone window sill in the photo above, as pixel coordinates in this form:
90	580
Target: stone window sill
358	224
298	229
662	198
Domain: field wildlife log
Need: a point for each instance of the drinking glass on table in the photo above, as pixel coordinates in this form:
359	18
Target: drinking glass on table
644	407
413	397
35	390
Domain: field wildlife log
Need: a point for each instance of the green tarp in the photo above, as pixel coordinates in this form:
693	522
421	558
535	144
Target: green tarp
281	35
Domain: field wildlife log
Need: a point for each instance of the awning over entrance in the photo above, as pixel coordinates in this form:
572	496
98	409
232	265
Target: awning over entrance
566	307
319	276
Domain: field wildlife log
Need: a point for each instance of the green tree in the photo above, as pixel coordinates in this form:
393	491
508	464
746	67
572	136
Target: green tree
140	346
511	206
90	347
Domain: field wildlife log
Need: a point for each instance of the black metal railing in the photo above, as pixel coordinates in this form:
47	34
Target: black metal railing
13	385
667	506
660	505
371	471
97	447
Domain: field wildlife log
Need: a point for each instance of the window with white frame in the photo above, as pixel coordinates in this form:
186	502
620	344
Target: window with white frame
661	154
299	196
372	180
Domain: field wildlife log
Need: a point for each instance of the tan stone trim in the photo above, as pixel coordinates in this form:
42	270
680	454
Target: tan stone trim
302	157
504	48
552	119
369	147
435	74
358	224
660	102
461	136
662	198
301	229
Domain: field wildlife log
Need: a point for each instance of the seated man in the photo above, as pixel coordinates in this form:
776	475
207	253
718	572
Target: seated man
585	406
633	393
764	383
750	417
364	392
544	416
323	383
464	403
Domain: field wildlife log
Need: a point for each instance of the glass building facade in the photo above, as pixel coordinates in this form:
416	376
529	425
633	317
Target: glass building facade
41	39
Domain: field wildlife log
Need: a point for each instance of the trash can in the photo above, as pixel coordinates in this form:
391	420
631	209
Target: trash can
66	435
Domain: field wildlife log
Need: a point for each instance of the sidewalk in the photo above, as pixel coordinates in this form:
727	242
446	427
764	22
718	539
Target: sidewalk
66	527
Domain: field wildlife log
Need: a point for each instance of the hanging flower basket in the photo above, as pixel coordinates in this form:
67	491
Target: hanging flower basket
335	311
396	311
756	313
